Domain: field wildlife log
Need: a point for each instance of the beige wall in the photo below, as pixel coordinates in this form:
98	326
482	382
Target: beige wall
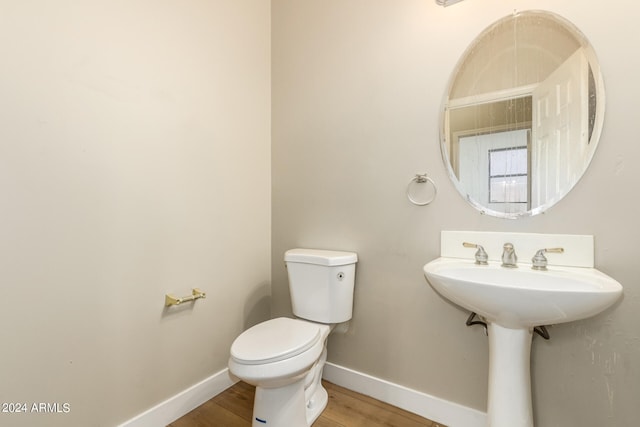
357	87
134	161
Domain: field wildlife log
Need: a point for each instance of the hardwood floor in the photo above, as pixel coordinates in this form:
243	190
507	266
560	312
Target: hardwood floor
233	408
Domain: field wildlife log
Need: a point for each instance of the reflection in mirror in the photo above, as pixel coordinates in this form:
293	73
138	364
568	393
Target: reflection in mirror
522	115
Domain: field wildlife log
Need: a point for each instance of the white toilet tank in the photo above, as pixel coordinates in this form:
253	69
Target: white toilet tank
321	284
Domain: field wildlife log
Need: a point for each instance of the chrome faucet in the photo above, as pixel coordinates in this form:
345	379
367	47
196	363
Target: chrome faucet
509	257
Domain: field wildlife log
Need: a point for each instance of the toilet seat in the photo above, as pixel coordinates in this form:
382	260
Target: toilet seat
275	340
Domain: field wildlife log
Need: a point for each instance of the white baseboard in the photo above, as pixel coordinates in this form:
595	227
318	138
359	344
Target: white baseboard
431	407
184	402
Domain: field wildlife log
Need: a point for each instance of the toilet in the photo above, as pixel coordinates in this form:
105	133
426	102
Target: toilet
284	357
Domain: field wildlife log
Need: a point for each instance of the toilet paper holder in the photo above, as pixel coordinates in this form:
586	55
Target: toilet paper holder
196	293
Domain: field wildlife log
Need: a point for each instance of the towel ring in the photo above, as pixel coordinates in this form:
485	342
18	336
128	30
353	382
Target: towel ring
421	179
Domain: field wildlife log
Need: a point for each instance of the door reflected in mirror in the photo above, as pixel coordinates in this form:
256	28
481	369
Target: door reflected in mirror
522	114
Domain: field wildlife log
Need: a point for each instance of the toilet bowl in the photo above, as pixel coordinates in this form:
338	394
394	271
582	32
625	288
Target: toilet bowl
284	357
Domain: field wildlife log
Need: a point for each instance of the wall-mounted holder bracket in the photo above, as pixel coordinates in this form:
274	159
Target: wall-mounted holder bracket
540	330
196	293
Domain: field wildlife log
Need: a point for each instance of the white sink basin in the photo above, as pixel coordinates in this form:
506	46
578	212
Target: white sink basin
522	297
513	301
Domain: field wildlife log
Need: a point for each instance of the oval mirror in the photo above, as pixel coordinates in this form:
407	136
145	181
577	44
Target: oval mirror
522	114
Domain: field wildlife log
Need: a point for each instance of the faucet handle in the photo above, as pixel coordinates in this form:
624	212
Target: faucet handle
539	261
481	255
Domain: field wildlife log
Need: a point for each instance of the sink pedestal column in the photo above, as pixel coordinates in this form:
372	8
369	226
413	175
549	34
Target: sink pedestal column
509	403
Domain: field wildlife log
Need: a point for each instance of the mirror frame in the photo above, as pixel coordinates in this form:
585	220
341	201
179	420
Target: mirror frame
598	121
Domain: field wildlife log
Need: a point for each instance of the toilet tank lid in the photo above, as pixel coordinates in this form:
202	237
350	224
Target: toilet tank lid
320	257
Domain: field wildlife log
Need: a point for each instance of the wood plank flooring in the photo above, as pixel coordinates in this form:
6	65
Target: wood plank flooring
346	408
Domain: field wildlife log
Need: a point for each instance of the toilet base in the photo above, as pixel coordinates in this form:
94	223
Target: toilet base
285	406
298	404
280	407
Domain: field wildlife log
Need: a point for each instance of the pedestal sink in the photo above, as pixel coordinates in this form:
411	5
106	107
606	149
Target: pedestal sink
514	301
